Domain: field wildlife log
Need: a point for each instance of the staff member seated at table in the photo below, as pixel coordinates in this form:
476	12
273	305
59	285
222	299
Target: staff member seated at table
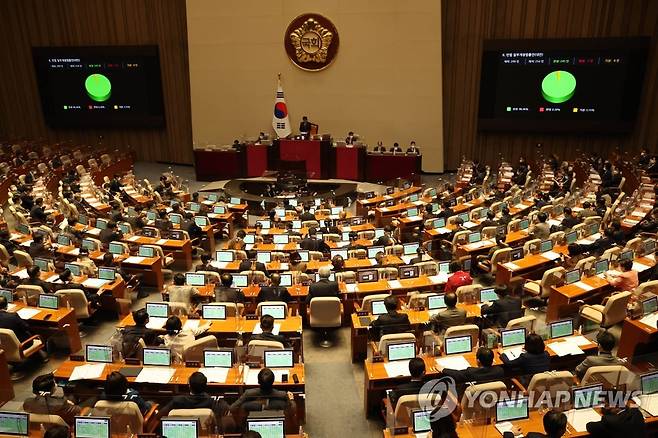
324	287
458	278
38	247
116	389
541	230
390	322
88	266
447	211
555	426
251	264
534	358
501	311
33	279
380	147
110	234
626	280
396	149
417	371
267	326
265	397
274	292
237	242
45	402
449	317
616	422
484	372
412	149
37	212
179	292
198	398
606	343
178	338
354	238
130	335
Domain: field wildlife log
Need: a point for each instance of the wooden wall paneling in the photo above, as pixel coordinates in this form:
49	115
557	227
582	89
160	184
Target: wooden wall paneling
467	23
28	23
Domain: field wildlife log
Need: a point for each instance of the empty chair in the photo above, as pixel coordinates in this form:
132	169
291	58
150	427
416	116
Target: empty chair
29	293
23	259
205	416
256	347
527	322
542	288
18	352
469	293
393	338
366	304
232	309
409	403
194	351
123	414
548	384
499	256
389	273
429	268
77	300
477	409
47	421
471	330
271	303
613	376
325	313
254	277
612	313
346	276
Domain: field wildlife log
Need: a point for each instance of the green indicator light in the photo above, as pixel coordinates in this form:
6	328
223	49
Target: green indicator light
98	87
558	86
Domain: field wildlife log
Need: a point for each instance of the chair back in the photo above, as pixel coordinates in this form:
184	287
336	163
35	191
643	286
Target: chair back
366	304
194	351
417	300
232	309
77	300
11	345
429	268
122	414
396	250
325	312
126	248
468	293
388	273
315	255
471	330
206	418
614	311
647	287
257	347
550	382
611	376
4	254
499	256
179	308
407	404
393	338
254	277
475	410
550	278
48	421
530	244
635	244
271	303
527	322
30	293
23	259
585	263
357	253
346	276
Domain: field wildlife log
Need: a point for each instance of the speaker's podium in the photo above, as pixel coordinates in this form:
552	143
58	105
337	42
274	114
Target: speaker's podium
316	153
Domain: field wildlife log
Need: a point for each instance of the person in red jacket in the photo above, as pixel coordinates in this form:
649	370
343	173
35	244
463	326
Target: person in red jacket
458	277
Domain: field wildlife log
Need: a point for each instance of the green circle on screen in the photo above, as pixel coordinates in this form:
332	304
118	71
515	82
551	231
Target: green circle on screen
558	86
98	87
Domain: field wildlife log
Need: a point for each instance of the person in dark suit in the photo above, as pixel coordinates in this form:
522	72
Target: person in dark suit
45	402
489	221
534	358
449	317
324	287
380	147
350	138
447	211
137	222
501	311
6	242
310	243
555	426
412	149
305	127
198	398
484	372
206	264
251	264
13	322
417	371
617	422
396	148
33	279
38	248
274	292
110	234
115	185
505	216
265	397
570	220
37	212
307	215
162	222
385	239
606	342
130	335
390	322
224	293
267	326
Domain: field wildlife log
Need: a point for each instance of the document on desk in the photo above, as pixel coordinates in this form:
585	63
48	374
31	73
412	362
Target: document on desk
22	274
583	286
95	283
650	320
252	377
639	267
191	324
469	224
453	362
394	284
134	238
441	278
407	258
397	368
161	241
134	259
511	266
648	402
578	340
443	230
27	313
565	348
578	418
156	323
88	372
74	251
513	352
155	375
631	221
638	214
351	287
53	279
215	374
275	331
553	222
219	265
551	255
26	243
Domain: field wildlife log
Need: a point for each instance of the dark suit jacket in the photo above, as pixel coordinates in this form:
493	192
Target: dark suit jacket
409	388
322	288
14	322
389	323
271	337
307	216
529	364
38	250
383	241
305	126
107	235
37	213
501	311
476	374
628	422
228	294
448	318
38	282
269	293
251	398
191	401
245	265
311	244
163	224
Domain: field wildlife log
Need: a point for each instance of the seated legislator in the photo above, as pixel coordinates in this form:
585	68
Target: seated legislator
616	422
37	212
267	326
555	426
117	390
250	264
45	402
88	266
449	317
206	264
179	292
484	372
541	230
385	239
177	338
265	397
296	264
324	287
198	398
417	372
311	243
392	321
606	342
132	334
237	242
38	247
225	293
626	280
501	311
162	222
110	233
490	220
33	279
274	292
570	220
534	358
458	278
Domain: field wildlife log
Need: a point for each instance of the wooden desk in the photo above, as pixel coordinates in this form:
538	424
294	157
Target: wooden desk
150	268
181	249
363	205
636	334
60	320
562	298
527	264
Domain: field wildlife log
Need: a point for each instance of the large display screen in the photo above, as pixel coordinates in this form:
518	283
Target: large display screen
108	86
579	85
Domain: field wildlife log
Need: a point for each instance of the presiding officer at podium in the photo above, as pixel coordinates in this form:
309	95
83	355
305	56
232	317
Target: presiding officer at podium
305	128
